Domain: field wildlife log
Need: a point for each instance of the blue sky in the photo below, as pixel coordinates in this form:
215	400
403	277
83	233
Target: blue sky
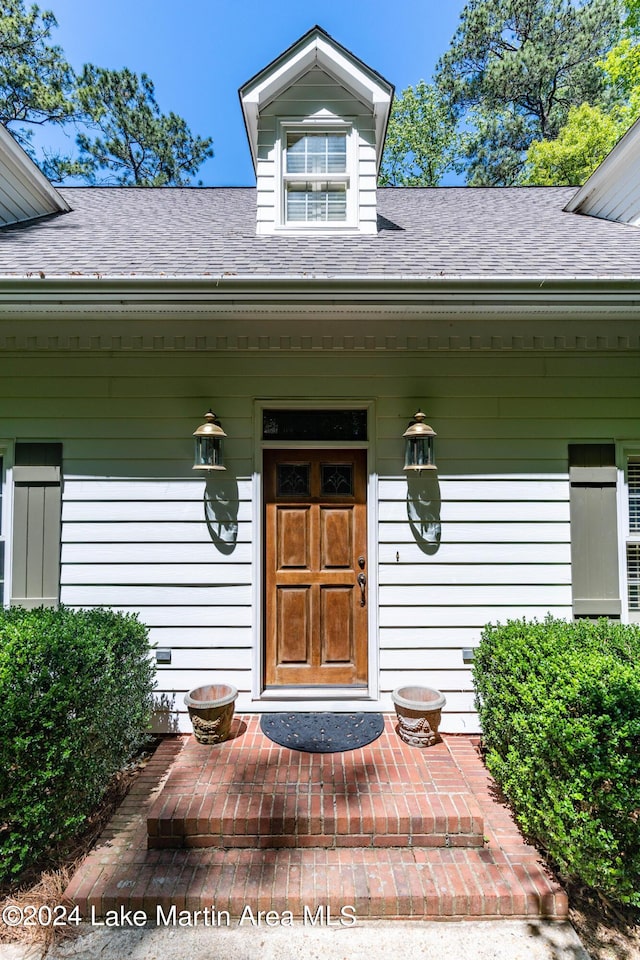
197	57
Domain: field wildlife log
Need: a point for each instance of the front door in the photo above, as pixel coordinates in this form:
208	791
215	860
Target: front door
315	567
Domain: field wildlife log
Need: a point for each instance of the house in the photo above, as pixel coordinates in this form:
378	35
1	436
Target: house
315	315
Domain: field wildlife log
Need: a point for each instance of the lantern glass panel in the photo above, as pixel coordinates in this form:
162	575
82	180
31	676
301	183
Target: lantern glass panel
418	453
208	453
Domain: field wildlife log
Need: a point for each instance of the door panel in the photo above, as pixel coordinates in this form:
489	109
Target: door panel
336	541
336	625
294	622
293	537
315	549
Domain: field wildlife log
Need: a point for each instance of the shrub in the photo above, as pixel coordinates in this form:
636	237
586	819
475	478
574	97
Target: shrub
559	705
76	694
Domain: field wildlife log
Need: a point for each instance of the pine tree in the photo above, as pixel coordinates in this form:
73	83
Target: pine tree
513	71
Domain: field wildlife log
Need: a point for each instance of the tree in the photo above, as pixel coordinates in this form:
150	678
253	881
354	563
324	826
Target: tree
592	131
583	142
515	68
122	132
135	142
36	82
421	136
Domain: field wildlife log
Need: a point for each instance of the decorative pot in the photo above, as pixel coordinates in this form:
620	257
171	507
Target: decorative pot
211	711
419	710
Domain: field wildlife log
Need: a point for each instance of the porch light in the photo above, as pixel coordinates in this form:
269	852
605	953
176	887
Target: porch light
418	454
208	450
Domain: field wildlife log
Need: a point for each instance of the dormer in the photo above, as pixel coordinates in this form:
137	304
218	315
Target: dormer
316	119
612	192
25	192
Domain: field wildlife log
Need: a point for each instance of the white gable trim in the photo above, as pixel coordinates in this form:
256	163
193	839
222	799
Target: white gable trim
25	193
316	48
612	192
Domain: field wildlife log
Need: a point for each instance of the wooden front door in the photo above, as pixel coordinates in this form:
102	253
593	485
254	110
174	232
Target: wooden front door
316	591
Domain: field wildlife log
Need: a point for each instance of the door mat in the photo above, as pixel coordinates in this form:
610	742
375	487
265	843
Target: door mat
322	732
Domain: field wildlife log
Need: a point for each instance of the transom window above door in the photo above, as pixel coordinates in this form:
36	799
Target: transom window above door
315	177
314	425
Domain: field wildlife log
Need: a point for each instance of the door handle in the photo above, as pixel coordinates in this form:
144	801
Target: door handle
362	580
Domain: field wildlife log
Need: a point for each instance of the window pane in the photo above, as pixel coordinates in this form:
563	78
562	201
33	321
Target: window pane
314	425
309	202
633	478
293	480
337	479
633	575
316	153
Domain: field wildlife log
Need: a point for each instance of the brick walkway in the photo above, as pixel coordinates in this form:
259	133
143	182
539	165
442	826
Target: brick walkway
393	830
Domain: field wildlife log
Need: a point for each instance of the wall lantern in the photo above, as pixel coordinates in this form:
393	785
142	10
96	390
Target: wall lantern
418	454
208	452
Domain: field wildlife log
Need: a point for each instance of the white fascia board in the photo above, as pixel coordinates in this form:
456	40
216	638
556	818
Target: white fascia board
622	161
14	162
317	51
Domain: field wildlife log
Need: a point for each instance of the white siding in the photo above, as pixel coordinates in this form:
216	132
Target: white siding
135	534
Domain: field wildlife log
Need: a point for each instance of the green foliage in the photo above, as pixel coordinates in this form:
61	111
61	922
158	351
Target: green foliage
514	69
136	142
36	82
419	148
582	144
76	693
497	141
559	705
622	70
632	21
122	130
590	132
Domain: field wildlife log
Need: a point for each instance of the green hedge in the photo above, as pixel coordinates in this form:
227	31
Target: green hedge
76	695
559	705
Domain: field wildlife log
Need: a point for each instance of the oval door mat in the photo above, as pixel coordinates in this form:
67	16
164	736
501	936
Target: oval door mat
322	732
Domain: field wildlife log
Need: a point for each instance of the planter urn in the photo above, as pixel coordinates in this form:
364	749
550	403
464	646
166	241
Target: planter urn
419	711
211	711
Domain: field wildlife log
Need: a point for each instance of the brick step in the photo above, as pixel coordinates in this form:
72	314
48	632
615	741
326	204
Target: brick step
238	794
394	883
503	879
403	817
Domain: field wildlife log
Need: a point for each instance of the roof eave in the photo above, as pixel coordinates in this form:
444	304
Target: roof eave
42	193
269	288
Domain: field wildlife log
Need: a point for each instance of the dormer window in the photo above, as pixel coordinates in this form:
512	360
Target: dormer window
315	177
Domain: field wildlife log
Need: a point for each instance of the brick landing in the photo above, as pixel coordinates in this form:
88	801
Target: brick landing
251	793
379	877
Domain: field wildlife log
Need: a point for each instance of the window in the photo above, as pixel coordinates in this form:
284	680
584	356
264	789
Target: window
632	536
314	425
315	177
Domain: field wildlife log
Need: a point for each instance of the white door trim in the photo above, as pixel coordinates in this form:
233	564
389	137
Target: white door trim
372	691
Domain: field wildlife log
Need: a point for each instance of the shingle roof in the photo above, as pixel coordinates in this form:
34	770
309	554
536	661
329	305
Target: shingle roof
450	233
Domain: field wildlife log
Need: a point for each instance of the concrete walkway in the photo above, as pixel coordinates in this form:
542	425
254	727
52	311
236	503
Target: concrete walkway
369	940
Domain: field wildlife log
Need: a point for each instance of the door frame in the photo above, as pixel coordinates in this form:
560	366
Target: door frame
258	690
